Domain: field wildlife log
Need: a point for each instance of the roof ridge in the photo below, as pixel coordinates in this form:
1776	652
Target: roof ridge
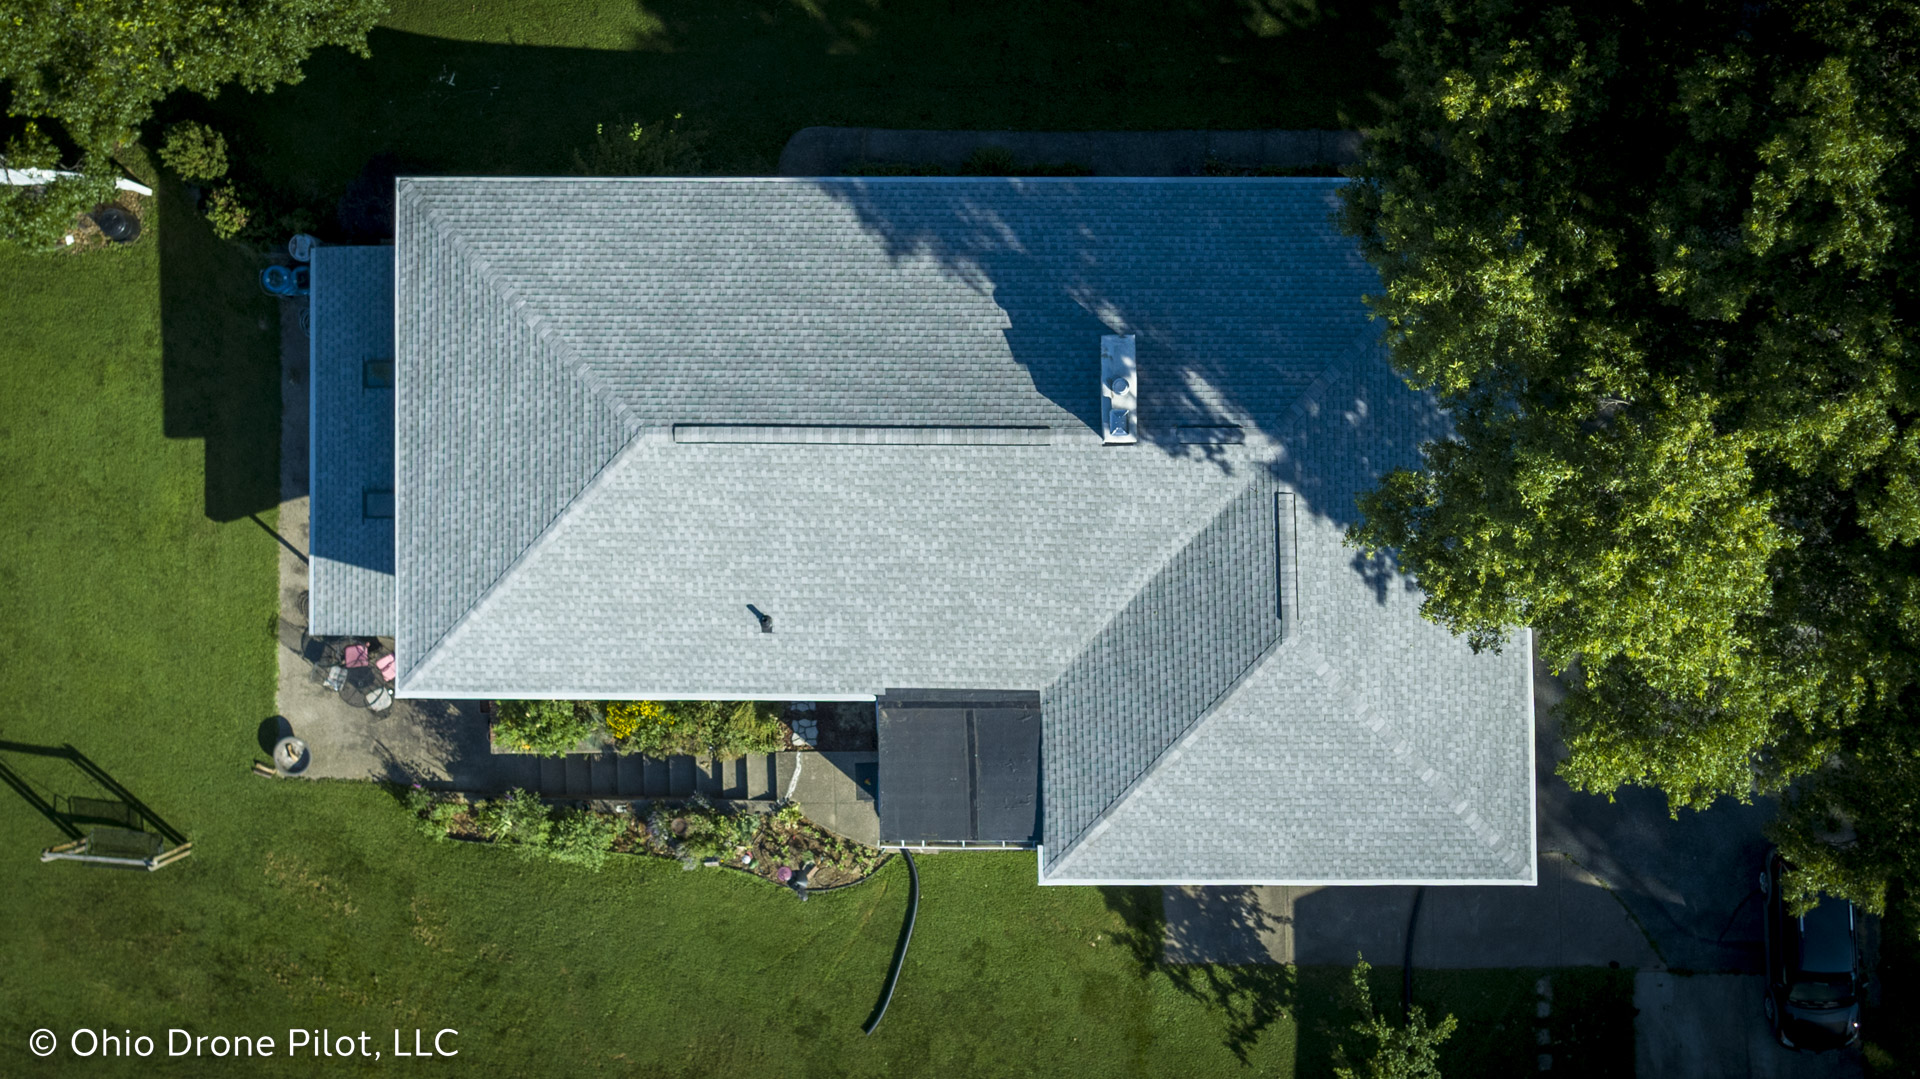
1172	752
540	543
1427	775
1261	481
564	358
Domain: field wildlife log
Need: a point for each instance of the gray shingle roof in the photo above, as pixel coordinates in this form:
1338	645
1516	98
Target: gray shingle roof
1370	745
1180	645
350	588
628	409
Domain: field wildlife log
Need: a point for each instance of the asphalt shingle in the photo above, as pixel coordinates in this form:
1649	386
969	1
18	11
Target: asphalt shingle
629	409
350	439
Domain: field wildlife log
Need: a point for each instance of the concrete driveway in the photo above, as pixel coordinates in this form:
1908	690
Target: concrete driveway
1568	920
1709	1026
1620	882
1691	882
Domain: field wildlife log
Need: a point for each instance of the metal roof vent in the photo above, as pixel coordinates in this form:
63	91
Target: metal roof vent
1119	390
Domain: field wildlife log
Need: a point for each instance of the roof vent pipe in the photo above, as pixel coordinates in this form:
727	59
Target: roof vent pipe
1119	390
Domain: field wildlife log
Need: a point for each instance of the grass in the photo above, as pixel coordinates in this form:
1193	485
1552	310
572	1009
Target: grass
455	86
138	628
138	432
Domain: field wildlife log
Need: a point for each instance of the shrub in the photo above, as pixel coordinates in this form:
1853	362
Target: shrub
727	729
520	819
627	718
635	150
989	161
39	216
1397	1052
196	152
432	813
32	149
583	839
547	728
226	213
707	832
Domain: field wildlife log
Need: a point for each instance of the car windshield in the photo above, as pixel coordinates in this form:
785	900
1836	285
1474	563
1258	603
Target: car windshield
1821	994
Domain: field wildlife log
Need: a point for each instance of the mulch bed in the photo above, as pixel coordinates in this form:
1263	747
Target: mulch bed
86	235
844	726
828	860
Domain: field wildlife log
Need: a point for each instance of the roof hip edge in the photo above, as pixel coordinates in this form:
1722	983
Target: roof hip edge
566	363
564	355
1284	555
417	674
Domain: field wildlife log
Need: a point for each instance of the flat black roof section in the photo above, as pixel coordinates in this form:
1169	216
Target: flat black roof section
959	766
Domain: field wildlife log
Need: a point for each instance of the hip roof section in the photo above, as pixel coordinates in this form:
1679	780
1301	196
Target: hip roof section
548	328
635	413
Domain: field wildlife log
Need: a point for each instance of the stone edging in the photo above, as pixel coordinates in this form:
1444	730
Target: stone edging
830	151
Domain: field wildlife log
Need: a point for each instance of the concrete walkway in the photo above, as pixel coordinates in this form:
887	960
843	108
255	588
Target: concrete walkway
823	785
1568	920
832	151
440	742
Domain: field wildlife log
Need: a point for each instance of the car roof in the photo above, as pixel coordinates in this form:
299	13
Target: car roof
1826	938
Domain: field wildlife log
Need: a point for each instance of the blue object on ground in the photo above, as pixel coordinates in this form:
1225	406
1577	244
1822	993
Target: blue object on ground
285	280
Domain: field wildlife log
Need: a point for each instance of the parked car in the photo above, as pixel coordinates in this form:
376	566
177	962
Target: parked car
1813	968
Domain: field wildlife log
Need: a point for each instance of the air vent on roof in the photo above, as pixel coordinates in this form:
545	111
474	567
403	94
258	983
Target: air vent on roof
1119	390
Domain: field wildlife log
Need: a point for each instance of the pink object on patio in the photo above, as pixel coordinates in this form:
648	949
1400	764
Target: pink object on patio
387	665
356	655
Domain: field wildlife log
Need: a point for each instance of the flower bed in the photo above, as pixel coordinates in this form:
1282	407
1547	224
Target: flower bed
777	846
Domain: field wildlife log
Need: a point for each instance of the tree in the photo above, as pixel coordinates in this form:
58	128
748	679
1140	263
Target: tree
98	68
1658	261
38	215
1398	1052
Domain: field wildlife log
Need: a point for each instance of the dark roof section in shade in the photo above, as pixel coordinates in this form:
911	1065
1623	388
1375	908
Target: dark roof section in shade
351	403
963	766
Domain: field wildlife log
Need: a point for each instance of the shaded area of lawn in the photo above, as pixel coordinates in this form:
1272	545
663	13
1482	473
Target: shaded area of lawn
220	360
140	630
459	87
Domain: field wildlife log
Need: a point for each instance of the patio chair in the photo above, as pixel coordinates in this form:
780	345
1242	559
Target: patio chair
356	656
336	678
387	665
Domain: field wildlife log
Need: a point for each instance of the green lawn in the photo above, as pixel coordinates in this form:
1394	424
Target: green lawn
493	88
138	420
138	628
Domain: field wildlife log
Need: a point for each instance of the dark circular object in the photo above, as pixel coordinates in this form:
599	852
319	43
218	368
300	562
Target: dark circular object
116	224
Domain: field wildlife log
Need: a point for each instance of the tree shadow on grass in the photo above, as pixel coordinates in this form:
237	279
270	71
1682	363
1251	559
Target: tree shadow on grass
220	358
753	72
1251	996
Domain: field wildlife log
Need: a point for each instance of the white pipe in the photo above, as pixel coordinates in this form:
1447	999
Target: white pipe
30	177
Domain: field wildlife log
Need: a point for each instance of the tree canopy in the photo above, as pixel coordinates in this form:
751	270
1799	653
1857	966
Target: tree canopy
99	66
1658	260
